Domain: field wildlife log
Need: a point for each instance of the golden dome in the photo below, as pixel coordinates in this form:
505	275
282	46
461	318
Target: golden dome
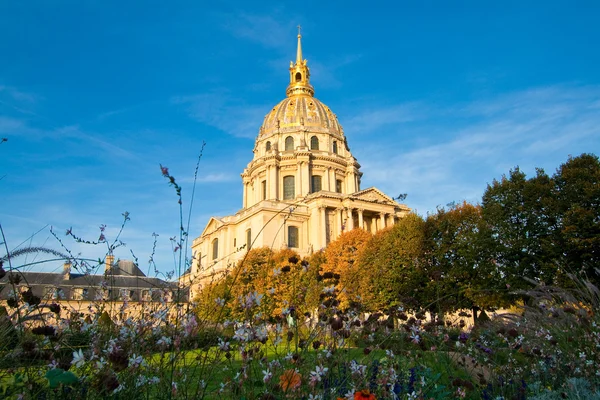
300	110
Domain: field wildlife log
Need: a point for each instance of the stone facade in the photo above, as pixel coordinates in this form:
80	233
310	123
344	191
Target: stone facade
301	190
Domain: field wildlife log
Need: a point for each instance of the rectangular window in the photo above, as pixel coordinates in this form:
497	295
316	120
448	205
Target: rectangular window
215	249
288	187
264	190
293	237
315	181
248	239
338	186
80	294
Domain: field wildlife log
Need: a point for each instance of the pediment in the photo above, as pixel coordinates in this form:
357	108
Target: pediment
373	195
213	224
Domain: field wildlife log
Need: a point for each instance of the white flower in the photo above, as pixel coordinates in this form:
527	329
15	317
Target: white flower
220	302
267	375
314	397
276	271
78	359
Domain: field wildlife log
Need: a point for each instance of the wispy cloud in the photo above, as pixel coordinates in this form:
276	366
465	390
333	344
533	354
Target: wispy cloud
19	95
266	30
221	111
532	128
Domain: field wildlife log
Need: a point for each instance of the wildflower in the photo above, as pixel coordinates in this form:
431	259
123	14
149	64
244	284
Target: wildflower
290	379
267	375
164	341
135	361
276	271
78	359
220	302
364	395
315	376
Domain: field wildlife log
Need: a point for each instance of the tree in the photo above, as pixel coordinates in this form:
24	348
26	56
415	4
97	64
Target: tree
342	255
458	262
577	195
391	266
519	214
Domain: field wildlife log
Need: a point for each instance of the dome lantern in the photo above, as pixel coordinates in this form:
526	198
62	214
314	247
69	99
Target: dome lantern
299	74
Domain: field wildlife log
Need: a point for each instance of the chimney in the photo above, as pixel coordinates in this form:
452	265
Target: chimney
67	271
109	261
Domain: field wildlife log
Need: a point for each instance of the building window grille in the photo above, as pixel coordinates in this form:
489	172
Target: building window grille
288	187
315	182
293	237
314	143
289	143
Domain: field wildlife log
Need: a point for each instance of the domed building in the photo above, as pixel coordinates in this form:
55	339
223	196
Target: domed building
301	189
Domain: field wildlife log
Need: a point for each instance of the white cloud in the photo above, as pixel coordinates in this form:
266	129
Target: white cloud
263	29
224	112
532	128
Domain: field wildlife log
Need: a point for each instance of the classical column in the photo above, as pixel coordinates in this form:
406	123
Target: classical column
245	198
338	222
327	180
323	227
350	224
361	223
391	220
382	220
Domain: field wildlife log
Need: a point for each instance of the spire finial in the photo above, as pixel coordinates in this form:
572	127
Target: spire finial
299	51
299	73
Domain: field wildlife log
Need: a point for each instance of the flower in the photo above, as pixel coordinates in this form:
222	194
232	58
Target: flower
364	395
78	359
290	379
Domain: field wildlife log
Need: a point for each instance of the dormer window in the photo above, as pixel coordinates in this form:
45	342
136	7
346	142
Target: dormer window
298	77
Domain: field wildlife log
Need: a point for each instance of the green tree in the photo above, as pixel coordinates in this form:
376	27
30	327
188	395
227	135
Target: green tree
459	265
519	213
577	195
391	266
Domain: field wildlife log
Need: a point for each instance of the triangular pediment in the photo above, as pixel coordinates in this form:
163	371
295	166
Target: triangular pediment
213	224
373	195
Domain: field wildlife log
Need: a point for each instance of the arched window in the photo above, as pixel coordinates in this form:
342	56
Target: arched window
335	147
298	77
288	187
314	143
315	183
289	143
293	238
215	249
268	146
248	239
338	186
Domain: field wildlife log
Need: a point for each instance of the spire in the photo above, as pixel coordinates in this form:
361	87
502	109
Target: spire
299	74
299	51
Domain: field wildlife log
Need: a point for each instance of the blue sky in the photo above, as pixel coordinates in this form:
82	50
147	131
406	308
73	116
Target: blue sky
436	100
